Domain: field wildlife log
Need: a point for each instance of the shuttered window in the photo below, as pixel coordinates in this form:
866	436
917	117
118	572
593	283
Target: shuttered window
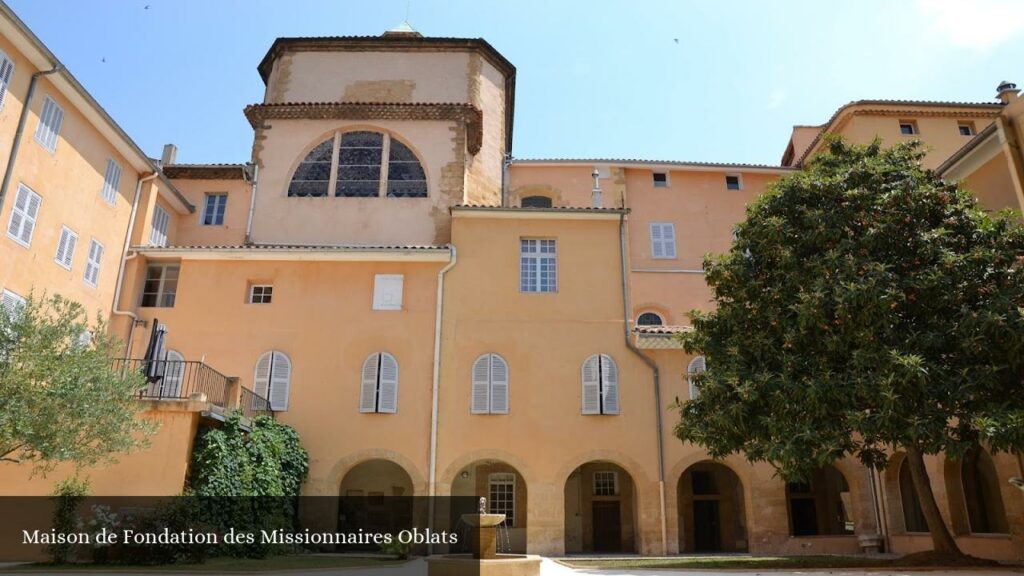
111	181
379	389
11	302
66	248
600	385
158	236
92	265
23	216
273	379
697	365
6	73
50	120
663	240
490	385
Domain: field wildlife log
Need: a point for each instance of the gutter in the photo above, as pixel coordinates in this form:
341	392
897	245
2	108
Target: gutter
22	120
626	315
435	387
252	201
124	263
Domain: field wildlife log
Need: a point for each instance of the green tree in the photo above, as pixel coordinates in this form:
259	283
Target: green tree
866	306
61	400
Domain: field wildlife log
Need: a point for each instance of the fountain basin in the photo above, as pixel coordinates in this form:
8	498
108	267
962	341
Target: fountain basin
483	520
500	565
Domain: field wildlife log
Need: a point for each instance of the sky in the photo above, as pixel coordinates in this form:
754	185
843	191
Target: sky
720	81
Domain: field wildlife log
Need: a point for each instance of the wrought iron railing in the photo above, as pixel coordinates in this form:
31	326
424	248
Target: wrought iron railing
179	379
251	404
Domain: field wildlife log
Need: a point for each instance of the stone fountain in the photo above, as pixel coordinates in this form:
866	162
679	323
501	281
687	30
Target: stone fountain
484	559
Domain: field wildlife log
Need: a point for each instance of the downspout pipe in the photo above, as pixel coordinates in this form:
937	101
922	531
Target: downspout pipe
124	264
19	132
435	386
252	201
626	315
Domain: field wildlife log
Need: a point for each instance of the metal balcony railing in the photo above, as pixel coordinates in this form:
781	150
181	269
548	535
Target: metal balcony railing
251	404
179	380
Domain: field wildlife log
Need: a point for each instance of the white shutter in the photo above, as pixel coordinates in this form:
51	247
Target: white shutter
368	388
280	381
591	386
261	377
174	373
499	385
6	72
669	240
20	201
480	402
656	246
11	302
50	119
92	266
697	365
66	247
609	385
388	401
111	181
158	236
30	217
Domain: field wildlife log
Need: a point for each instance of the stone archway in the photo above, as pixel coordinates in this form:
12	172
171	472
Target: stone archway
375	496
505	489
711	509
600	509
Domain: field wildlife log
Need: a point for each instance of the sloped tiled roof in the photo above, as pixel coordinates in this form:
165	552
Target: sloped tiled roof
638	161
206	171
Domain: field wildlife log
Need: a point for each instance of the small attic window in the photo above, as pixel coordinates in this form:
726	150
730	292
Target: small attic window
733	182
908	127
660	180
966	128
535	202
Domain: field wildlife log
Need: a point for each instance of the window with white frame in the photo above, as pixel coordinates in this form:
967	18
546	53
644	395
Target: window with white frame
538	270
92	265
6	73
66	248
663	240
11	301
697	365
111	181
23	216
50	120
733	182
213	210
606	483
379	390
158	235
600	377
260	293
501	492
161	286
490	385
660	179
273	379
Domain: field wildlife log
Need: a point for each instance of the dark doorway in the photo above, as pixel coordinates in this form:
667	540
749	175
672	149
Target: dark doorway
707	529
607	527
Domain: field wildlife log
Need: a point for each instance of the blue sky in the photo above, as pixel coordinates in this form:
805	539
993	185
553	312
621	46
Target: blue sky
715	81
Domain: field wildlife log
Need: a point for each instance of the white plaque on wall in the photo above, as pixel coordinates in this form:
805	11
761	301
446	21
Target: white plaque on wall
387	291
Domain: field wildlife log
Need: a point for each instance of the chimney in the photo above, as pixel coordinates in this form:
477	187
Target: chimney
595	194
1006	91
170	153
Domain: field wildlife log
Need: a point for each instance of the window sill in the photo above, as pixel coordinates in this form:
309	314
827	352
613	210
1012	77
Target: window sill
19	242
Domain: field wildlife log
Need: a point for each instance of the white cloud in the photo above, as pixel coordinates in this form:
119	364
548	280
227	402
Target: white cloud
978	24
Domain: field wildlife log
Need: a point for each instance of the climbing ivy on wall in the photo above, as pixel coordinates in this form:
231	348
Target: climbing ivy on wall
267	461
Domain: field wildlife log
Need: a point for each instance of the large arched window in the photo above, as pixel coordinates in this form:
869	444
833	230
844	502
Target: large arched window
273	379
600	385
985	510
697	365
379	389
821	505
360	164
490	385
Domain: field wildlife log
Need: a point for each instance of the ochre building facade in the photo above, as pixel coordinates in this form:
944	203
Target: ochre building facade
436	317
